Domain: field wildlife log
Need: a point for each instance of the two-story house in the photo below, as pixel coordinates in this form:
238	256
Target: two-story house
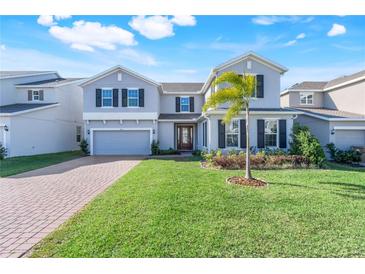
40	112
125	111
333	110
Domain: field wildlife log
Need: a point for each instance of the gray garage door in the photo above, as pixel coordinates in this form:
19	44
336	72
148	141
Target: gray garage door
347	138
127	142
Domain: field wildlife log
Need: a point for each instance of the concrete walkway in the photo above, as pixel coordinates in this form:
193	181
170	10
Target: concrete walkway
35	203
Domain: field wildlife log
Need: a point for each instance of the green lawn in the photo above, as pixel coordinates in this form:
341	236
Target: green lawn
15	165
167	208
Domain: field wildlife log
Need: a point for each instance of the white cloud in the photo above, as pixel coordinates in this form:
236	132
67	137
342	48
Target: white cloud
87	36
50	20
300	36
46	20
137	57
158	27
336	29
290	43
184	20
152	27
270	20
2	47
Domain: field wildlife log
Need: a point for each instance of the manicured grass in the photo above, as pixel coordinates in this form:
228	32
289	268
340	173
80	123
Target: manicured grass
15	165
167	208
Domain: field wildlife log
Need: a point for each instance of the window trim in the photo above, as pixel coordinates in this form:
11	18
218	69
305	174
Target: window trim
205	133
277	132
102	97
306	94
78	133
181	110
137	106
238	134
37	90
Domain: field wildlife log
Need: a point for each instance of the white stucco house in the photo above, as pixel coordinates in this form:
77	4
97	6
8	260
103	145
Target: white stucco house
125	111
40	112
333	110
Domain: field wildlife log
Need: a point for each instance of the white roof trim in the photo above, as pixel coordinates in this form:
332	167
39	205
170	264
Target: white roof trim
240	58
120	115
345	83
181	92
114	69
29	74
333	119
286	91
178	120
210	112
28	110
349	128
54	86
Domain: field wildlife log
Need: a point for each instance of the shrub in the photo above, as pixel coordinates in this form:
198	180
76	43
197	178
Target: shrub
343	156
3	152
155	147
305	144
169	151
84	146
197	152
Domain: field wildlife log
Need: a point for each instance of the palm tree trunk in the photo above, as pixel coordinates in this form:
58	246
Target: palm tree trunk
248	164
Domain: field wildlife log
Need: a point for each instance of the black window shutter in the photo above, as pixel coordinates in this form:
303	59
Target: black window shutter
282	133
177	104
221	134
115	97
261	133
260	86
41	95
243	133
191	103
141	97
30	95
124	97
98	97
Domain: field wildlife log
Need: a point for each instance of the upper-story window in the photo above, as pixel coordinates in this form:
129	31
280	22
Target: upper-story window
232	131
271	133
184	104
306	98
35	95
107	97
133	98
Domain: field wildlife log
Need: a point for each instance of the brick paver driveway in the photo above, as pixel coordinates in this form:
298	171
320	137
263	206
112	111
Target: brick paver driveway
34	203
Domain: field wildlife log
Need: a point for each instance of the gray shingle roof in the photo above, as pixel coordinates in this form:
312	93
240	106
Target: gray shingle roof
331	113
309	85
182	87
178	116
345	78
50	82
10	73
269	109
21	107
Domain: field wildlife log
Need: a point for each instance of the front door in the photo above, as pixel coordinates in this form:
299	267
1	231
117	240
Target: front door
184	137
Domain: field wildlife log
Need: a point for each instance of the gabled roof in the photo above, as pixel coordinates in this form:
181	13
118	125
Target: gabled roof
23	73
14	109
182	87
51	82
115	69
308	85
249	55
331	114
346	79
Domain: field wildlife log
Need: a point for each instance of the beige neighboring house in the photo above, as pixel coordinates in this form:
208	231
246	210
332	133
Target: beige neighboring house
333	110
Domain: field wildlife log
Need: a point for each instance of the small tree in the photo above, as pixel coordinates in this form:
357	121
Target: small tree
84	146
238	94
3	152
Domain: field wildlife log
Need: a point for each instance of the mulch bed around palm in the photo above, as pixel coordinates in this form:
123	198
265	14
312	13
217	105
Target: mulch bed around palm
240	180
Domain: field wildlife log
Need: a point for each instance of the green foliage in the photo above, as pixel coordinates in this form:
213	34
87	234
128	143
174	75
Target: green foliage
84	146
155	147
3	152
306	144
343	156
169	151
197	152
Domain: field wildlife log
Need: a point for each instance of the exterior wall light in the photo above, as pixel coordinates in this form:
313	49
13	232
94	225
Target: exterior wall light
6	128
333	132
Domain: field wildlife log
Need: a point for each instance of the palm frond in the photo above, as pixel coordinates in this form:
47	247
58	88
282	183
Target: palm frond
221	96
229	77
233	111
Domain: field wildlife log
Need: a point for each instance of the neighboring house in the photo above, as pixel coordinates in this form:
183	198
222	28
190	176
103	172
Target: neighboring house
125	111
333	110
40	112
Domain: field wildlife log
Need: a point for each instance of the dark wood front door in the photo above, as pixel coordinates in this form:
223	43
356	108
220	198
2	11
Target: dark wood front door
184	137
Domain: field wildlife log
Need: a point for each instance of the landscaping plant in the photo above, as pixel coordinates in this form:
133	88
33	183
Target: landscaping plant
343	156
84	146
238	94
155	147
3	152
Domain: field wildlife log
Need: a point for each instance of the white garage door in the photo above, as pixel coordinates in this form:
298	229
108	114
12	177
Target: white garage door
121	142
347	138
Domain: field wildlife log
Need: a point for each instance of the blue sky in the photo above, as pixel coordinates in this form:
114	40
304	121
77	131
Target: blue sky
182	48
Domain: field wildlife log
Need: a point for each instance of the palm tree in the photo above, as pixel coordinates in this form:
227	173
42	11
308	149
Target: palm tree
238	93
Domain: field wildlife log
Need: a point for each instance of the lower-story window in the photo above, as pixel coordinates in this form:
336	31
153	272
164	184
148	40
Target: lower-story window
271	133
205	134
232	131
78	134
